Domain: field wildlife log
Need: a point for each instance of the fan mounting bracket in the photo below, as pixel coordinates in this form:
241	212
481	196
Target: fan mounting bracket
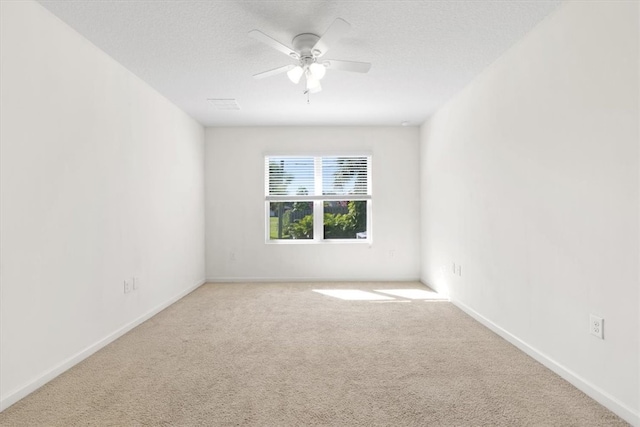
304	43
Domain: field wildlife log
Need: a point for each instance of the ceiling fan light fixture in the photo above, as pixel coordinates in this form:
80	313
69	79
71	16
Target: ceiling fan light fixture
308	48
312	83
295	74
315	89
317	70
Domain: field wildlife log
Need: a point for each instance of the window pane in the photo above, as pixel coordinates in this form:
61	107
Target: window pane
290	176
345	219
290	220
345	175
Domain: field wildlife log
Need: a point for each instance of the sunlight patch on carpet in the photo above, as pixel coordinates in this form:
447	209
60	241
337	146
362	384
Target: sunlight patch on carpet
353	294
390	302
412	294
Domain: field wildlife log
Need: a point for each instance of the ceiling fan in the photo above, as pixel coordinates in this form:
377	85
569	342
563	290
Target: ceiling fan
308	49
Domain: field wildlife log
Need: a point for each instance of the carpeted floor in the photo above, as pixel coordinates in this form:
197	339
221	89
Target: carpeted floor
284	355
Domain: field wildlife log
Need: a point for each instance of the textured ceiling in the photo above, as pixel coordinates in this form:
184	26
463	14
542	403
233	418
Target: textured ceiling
422	52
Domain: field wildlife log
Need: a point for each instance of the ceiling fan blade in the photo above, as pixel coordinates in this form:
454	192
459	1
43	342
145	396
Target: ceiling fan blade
269	41
336	30
273	72
353	66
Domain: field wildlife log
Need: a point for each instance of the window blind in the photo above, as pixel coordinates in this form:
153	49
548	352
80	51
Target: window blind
317	178
345	175
289	176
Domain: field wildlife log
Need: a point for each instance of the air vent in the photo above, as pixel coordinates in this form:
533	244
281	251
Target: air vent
224	104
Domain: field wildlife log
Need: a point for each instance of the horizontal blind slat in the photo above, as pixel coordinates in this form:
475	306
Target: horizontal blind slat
329	198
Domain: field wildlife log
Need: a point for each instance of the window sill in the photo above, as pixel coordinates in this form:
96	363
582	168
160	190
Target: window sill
319	242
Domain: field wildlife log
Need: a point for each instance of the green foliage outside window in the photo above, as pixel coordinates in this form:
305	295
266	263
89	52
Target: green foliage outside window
336	226
302	229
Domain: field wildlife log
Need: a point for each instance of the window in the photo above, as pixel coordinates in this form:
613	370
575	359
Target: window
318	198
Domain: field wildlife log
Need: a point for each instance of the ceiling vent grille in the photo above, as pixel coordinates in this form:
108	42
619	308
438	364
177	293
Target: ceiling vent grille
224	104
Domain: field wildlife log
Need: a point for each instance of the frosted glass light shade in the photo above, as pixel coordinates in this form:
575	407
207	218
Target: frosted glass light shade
318	70
294	74
315	89
312	83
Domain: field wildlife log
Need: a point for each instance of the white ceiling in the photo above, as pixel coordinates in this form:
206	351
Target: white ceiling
422	52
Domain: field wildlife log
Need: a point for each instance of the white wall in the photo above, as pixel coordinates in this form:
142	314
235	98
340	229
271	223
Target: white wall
530	183
235	211
101	179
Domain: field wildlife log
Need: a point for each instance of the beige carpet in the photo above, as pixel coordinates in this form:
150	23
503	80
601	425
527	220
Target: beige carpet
284	355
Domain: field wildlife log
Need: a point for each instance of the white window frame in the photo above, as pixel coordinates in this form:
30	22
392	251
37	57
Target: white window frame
318	200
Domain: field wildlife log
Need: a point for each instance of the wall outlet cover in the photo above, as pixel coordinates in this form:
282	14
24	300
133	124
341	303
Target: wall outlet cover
596	326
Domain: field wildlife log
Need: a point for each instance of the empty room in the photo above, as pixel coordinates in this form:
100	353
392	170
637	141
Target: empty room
319	213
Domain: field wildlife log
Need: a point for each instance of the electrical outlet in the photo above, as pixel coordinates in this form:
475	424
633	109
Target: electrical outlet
596	326
127	287
135	283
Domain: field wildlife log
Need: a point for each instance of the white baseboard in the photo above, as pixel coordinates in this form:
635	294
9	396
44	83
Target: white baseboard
16	395
305	279
596	393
